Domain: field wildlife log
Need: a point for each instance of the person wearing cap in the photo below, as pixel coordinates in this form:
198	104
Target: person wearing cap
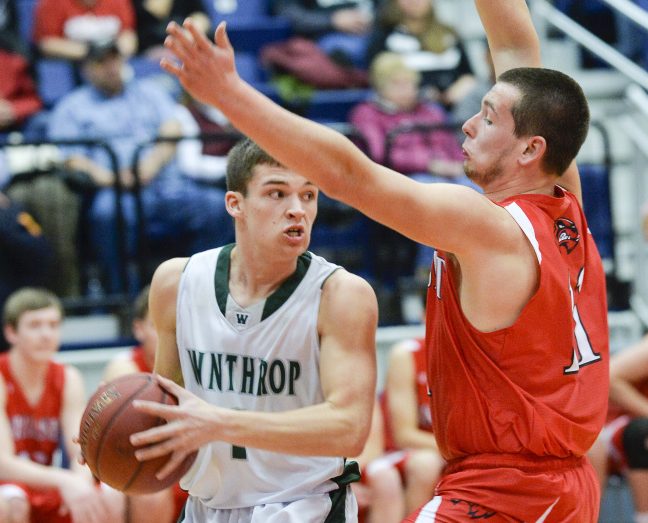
66	28
179	213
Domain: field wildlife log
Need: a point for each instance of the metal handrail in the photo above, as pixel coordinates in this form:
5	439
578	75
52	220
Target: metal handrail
635	13
117	185
591	42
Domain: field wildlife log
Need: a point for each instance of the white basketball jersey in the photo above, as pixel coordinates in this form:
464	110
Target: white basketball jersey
261	358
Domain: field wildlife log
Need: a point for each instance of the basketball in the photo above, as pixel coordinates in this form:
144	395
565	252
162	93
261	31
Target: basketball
107	423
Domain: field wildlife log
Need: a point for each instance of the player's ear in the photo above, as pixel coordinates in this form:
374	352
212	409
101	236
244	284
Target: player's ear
233	200
536	146
9	334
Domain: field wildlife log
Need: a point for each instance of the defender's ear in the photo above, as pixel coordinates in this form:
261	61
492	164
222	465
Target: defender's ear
536	146
233	200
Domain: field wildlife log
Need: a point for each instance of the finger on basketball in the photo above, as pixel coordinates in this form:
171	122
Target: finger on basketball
174	461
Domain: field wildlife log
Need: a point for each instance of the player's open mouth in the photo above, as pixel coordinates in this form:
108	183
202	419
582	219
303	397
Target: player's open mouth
295	232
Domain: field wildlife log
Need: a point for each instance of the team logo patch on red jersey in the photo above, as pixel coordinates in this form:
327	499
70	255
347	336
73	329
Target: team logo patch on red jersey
567	234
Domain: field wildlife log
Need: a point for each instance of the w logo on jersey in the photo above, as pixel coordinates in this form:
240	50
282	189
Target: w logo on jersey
241	318
567	234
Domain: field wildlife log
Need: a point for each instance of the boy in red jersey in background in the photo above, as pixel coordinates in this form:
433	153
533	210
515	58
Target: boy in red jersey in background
164	506
407	404
621	446
516	328
41	403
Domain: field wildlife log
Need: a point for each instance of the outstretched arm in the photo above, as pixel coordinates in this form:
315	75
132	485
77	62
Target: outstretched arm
446	216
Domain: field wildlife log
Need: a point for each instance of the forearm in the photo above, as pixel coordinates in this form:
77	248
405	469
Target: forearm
127	43
629	398
15	469
415	439
319	430
63	48
99	174
318	153
512	38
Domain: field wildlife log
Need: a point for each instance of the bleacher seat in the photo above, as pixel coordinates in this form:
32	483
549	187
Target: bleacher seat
236	10
55	79
25	14
334	105
249	24
597	206
144	66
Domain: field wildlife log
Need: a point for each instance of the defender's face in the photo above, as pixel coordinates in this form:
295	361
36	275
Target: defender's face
37	336
490	142
145	333
279	208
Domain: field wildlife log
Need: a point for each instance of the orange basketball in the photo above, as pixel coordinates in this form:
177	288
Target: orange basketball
107	423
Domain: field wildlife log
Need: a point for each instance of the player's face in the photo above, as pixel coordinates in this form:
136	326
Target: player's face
279	208
402	90
106	74
415	8
146	335
490	144
37	335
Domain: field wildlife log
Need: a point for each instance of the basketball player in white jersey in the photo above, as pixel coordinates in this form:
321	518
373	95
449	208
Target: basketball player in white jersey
275	348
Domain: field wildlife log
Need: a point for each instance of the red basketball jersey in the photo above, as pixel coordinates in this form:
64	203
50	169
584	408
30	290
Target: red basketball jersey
137	355
540	386
36	428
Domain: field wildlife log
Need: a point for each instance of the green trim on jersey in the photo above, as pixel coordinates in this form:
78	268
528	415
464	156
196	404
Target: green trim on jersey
275	300
221	277
338	496
279	297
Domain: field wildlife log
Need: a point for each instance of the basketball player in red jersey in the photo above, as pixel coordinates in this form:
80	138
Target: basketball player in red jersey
164	506
409	420
621	446
41	403
517	332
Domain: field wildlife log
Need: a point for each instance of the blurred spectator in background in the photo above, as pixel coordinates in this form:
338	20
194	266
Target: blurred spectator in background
25	255
9	36
397	103
341	27
19	99
153	16
426	155
621	447
379	492
204	160
411	28
181	216
65	28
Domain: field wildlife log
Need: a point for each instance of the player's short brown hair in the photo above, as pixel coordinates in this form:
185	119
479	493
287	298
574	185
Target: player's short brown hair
551	105
25	300
241	161
141	304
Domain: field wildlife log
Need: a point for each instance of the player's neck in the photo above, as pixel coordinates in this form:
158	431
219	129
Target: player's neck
27	370
253	277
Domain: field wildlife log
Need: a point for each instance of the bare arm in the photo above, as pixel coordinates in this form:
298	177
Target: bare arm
66	48
448	217
161	153
163	297
627	369
403	404
336	427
